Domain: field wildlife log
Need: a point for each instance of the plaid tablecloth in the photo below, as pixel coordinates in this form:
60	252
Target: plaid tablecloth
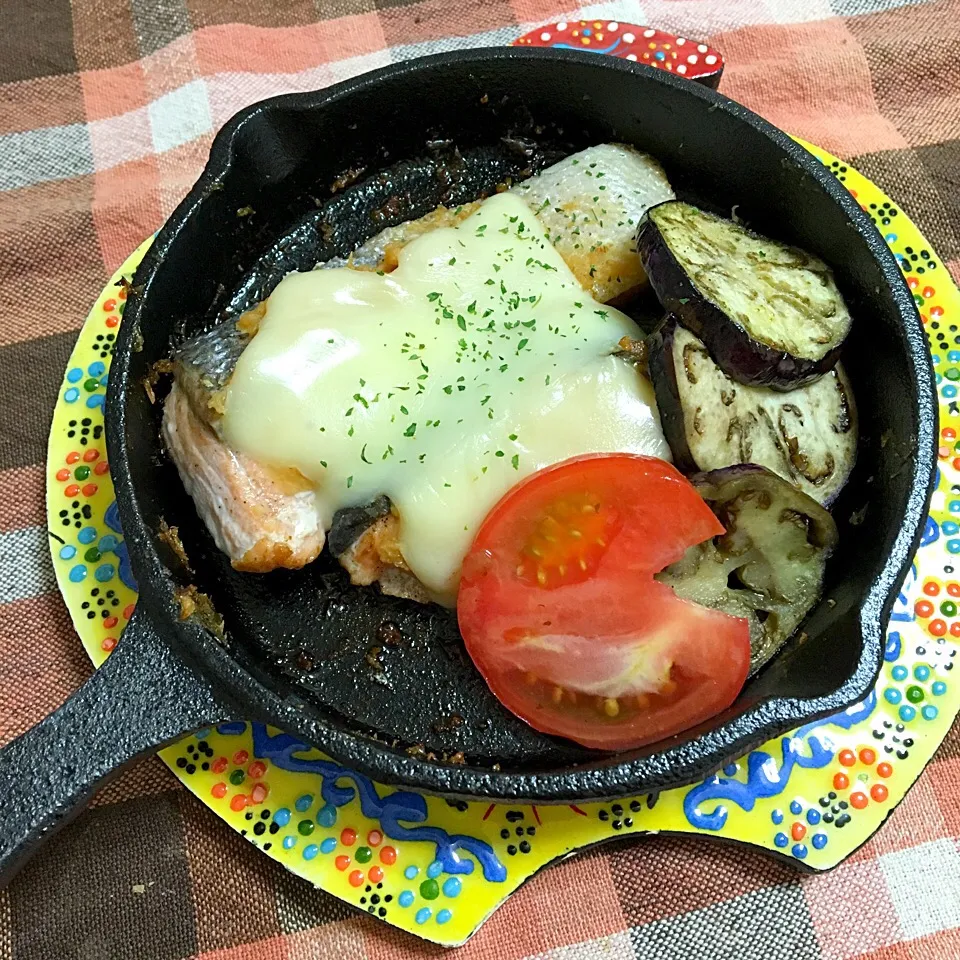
107	109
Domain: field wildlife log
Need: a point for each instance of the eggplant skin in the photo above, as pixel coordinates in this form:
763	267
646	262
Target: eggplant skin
807	436
740	355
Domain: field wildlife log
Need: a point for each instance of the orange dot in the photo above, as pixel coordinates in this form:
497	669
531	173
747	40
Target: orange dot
879	792
110	622
259	792
219	790
356	878
868	756
108	643
858	800
342	862
89	489
241	757
798	831
239	802
375	874
943	452
219	765
937	627
122	295
949	433
109	305
847	757
652	45
936	312
112	321
884	769
374	838
931	589
955	629
128	611
928	292
953	589
348	837
956	463
73	456
257	769
923	608
101	468
388	855
63	475
91	455
913	283
840	781
71	491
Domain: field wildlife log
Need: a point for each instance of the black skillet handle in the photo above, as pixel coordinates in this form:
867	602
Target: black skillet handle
141	699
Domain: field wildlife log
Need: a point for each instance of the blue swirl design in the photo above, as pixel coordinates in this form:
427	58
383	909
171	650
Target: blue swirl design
281	749
764	777
611	49
903	607
112	519
931	533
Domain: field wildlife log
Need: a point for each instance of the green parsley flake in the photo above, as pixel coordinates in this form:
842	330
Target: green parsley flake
411	430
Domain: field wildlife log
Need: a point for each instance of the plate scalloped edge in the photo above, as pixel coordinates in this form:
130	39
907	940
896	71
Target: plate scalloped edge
439	868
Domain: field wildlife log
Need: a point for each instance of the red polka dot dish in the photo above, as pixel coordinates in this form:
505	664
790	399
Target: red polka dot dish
655	48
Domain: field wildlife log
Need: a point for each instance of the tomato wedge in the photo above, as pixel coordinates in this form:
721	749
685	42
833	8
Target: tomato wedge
560	612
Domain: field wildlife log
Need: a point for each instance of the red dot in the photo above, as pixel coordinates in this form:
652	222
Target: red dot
73	456
937	627
241	757
798	831
63	475
110	622
219	765
858	800
388	855
257	769
868	756
112	321
71	491
89	489
949	433
259	792
931	589
884	769
91	455
847	757
109	305
239	802
219	790
108	643
348	837
375	874
356	878
923	608
128	611
374	838
101	468
342	862
879	792
840	781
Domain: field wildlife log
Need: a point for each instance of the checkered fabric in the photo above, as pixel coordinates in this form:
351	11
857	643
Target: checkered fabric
107	109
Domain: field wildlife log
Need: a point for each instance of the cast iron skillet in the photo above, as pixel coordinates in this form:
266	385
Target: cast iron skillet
300	647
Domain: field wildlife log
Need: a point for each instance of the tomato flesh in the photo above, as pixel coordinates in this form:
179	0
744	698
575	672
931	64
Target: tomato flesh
560	612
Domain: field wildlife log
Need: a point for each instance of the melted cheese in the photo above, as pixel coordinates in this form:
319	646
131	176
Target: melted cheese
477	362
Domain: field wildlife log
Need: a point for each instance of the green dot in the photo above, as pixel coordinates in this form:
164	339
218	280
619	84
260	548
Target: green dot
948	608
429	889
82	472
91	384
305	827
914	694
92	555
952	373
363	854
918	299
237	777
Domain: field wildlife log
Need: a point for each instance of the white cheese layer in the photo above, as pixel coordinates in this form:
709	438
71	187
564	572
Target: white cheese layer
477	362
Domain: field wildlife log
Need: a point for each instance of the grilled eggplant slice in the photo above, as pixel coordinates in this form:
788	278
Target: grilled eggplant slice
807	436
770	315
768	565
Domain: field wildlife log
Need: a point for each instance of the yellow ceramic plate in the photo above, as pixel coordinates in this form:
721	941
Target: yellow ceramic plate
438	868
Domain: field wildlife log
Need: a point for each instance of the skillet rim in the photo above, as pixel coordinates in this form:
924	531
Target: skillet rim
606	777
